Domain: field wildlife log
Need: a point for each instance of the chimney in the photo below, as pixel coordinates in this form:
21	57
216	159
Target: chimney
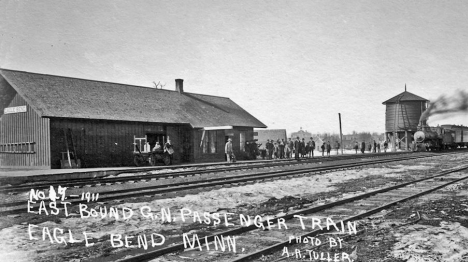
179	85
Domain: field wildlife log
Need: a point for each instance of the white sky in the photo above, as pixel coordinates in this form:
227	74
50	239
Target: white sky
291	64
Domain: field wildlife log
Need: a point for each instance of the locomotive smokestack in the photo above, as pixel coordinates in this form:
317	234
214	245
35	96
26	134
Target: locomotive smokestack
179	85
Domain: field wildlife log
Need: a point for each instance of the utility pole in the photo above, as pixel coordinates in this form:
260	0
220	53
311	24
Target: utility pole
341	135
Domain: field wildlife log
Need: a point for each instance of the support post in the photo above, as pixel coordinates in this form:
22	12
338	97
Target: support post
406	140
341	135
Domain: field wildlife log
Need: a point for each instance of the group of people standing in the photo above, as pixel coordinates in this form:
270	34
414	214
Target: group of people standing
280	149
326	146
373	147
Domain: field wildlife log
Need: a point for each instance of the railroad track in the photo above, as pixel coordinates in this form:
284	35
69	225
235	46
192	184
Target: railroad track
358	207
19	207
81	182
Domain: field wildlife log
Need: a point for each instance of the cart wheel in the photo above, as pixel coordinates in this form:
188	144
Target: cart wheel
167	160
139	160
153	160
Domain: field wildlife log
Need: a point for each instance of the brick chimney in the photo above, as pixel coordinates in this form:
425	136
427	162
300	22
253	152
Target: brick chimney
179	85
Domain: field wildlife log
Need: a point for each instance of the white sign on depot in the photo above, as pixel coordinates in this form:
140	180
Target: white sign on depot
15	109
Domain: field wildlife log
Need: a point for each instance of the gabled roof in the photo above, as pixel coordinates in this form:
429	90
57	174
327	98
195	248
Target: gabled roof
264	134
405	96
66	97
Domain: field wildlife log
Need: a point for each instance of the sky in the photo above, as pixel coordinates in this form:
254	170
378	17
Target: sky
291	64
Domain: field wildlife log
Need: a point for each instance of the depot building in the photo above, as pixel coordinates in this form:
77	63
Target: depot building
46	119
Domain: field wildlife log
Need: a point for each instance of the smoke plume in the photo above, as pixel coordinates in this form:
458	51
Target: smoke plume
445	105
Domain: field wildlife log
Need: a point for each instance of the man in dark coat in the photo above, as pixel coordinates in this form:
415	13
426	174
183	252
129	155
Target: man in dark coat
297	148
303	148
328	148
363	147
312	147
269	146
291	148
281	148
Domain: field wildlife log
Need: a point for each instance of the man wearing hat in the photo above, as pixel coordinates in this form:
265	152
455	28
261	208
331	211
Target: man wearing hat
228	150
297	148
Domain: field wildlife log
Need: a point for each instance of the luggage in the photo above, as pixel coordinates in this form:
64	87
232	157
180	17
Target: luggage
233	157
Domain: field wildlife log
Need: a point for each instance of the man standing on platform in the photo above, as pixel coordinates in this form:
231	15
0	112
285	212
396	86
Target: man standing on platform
228	150
297	148
281	148
328	148
289	148
270	148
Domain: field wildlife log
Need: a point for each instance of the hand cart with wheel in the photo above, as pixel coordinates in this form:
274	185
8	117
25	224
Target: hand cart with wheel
141	158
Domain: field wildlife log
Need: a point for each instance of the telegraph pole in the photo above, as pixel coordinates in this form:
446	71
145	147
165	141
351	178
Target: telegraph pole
341	135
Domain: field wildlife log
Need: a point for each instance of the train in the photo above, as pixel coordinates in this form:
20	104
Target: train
441	137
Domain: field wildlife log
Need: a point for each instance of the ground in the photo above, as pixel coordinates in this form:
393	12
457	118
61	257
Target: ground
433	228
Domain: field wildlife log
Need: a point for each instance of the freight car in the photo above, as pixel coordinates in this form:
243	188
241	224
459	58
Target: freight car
460	134
441	137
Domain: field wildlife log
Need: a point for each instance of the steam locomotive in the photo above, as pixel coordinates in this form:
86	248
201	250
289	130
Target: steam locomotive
441	137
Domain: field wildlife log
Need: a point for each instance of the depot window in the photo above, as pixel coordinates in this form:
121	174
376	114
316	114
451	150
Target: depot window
242	141
210	142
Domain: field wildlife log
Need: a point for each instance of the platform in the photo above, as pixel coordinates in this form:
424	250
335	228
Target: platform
18	176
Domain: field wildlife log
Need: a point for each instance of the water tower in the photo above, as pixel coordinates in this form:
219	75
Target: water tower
402	118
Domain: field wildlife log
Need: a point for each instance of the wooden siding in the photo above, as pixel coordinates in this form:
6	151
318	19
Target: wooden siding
403	116
102	143
221	135
25	127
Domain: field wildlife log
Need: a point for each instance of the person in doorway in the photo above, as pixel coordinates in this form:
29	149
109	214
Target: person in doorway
157	148
228	150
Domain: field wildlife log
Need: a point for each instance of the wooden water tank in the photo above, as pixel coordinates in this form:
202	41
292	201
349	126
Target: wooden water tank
403	112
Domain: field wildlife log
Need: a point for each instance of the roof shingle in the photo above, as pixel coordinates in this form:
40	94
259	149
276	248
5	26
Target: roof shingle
58	96
405	96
